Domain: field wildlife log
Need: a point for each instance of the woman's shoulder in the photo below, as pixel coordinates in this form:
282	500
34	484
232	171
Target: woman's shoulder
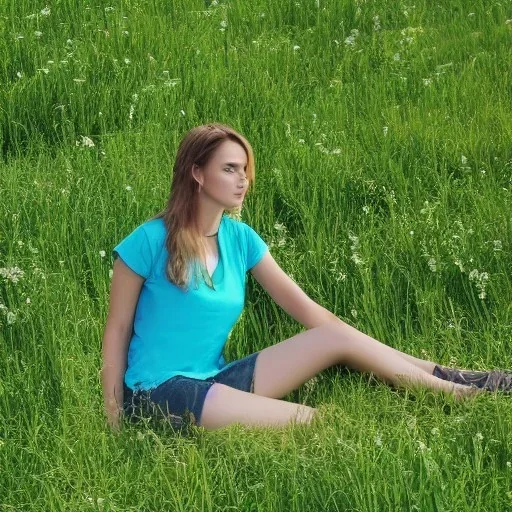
155	229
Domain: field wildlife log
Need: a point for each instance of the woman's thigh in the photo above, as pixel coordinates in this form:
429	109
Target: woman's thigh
180	399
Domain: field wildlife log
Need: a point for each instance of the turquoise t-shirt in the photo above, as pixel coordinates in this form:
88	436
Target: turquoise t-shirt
178	332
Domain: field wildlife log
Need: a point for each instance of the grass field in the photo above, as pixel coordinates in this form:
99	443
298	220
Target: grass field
382	133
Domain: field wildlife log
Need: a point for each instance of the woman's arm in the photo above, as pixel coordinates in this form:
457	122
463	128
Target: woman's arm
115	349
124	294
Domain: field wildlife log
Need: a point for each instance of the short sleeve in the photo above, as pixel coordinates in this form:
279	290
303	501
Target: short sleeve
135	251
256	247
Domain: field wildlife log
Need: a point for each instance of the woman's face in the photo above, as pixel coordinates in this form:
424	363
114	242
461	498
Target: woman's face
223	179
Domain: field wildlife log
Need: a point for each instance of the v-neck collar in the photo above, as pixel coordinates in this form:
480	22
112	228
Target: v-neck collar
207	278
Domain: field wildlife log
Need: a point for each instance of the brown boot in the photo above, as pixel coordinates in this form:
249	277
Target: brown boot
492	380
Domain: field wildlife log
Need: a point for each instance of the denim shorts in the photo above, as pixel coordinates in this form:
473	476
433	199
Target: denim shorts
179	400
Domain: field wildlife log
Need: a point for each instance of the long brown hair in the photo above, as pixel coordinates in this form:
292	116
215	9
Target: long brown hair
183	240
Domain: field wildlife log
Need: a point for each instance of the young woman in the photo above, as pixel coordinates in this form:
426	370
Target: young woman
178	288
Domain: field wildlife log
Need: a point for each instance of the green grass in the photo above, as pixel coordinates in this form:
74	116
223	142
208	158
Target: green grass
384	175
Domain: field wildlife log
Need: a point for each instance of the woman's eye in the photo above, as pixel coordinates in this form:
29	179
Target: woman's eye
228	169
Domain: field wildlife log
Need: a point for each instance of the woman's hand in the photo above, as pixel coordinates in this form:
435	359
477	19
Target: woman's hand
114	414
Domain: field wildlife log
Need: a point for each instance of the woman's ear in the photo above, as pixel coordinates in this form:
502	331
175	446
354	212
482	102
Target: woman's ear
197	173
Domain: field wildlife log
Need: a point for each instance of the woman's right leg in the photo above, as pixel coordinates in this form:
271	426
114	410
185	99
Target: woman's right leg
225	405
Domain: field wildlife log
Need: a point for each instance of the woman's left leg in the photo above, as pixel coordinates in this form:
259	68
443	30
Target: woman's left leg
285	366
492	379
428	366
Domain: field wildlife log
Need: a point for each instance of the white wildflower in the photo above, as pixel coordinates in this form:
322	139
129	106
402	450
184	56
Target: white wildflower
432	264
311	383
422	446
356	259
463	160
396	56
427	82
354	239
459	264
11	318
38	33
366	209
103	254
127	60
376	23
128	188
353	312
351	39
479	436
497	245
385	130
182	112
85	142
473	275
340	277
13	274
378	440
435	431
45	11
480	280
295	48
28	301
39	273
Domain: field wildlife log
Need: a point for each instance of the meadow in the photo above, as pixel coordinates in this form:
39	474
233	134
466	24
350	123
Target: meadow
382	133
